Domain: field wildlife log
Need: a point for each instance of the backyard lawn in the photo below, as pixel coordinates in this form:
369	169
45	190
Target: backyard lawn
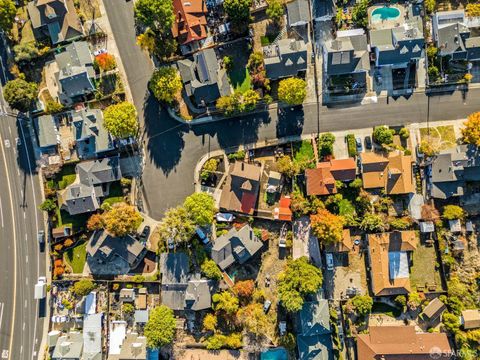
76	257
240	78
115	194
25	35
423	270
66	176
78	222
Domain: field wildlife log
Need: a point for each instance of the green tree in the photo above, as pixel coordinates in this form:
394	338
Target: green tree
414	300
286	166
325	144
160	327
166	84
26	51
121	219
400	223
451	322
209	168
48	205
201	207
156	14
356	184
215	342
250	99
53	107
431	53
433	73
210	322
176	225
121	120
383	135
471	130
372	223
360	14
238	12
402	301
255	62
253	318
362	304
327	227
228	62
128	308
275	10
211	270
299	279
404	133
83	287
292	91
7	15
20	94
225	301
453	212
430	6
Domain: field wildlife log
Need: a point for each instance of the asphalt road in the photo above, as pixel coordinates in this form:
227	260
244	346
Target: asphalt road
172	149
21	263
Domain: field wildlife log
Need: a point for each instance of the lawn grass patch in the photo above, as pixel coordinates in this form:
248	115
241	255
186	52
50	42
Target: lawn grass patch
77	222
304	155
115	194
240	79
76	257
25	33
382	308
444	134
423	270
65	177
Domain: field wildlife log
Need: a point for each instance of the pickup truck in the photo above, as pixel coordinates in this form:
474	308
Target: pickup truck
41	288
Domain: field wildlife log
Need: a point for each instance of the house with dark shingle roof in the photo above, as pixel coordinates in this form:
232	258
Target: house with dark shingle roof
91	185
56	19
180	290
108	255
76	73
235	246
240	192
46	133
452	36
298	17
203	79
285	59
347	55
91	136
314	339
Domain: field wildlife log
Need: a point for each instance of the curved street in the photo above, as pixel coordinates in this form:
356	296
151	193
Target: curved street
173	149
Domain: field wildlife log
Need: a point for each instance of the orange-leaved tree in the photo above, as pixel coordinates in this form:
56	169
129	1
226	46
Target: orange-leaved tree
326	226
471	131
106	61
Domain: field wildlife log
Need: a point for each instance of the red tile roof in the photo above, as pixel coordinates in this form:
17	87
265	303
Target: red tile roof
190	21
321	181
285	213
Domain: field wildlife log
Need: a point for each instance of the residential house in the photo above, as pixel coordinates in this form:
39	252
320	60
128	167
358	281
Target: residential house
181	291
470	319
283	211
389	257
203	79
141	299
432	312
285	59
92	336
190	25
69	346
400	342
343	246
452	35
452	169
426	227
314	340
240	192
56	19
75	76
108	255
393	173
298	17
236	246
90	134
127	295
346	58
129	346
321	180
46	134
61	232
91	186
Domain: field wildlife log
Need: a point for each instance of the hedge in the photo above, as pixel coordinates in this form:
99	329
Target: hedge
351	145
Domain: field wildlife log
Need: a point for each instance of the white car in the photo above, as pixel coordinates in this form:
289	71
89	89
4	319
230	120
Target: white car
99	51
224	217
329	258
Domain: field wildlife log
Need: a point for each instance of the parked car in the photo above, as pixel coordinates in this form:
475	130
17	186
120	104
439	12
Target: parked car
266	306
329	258
368	143
358	142
224	217
40	288
145	234
201	235
41	239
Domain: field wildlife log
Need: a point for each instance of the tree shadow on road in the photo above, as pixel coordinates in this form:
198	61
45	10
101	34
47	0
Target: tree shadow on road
290	122
163	136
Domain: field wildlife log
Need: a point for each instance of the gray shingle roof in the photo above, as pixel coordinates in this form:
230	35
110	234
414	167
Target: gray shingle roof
68	346
99	171
80	199
346	55
197	295
451	40
473	48
88	126
287	58
235	246
46	131
297	13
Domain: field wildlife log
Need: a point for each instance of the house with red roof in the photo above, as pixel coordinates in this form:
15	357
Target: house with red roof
283	211
321	181
190	25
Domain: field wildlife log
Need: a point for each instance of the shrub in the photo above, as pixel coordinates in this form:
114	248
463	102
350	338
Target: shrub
404	133
208	168
83	287
49	205
68	242
453	212
228	62
352	147
211	270
400	223
325	144
128	308
383	135
239	155
210	322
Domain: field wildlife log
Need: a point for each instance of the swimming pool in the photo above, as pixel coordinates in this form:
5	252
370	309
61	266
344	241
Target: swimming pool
385	13
274	354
